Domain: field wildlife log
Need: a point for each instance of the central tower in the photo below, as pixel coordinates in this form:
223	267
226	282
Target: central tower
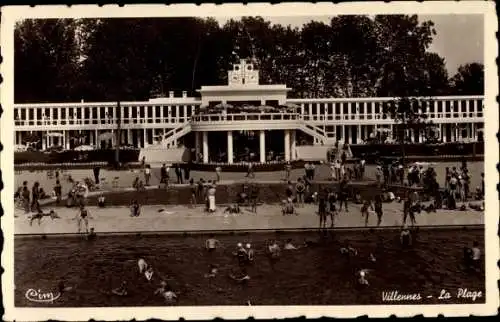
243	73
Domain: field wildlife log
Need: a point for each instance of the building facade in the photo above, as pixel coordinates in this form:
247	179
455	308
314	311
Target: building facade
164	122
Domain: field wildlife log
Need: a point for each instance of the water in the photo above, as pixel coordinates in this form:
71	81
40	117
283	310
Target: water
316	275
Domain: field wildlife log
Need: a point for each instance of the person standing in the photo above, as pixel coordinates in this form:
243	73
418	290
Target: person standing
288	170
343	186
97	170
178	173
218	171
25	194
299	190
312	172
211	198
193	189
35	196
58	191
147	174
250	172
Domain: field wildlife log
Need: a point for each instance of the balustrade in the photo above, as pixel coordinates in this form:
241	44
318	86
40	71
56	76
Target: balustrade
461	109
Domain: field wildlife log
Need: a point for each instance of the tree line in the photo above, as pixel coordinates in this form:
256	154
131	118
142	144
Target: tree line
67	60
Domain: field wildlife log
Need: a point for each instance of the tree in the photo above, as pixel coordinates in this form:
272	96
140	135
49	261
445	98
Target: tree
469	80
45	60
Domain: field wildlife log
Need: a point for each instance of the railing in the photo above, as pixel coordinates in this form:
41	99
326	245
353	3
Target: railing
238	117
337	110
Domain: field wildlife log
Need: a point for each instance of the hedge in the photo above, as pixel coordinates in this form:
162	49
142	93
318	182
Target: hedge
108	155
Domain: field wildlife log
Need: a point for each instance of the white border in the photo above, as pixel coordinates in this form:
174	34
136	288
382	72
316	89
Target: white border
12	14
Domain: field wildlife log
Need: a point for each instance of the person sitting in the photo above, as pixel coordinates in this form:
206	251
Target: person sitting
233	209
348	251
101	201
288	207
42	194
149	273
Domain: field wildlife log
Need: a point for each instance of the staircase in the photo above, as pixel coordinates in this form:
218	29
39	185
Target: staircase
168	140
315	132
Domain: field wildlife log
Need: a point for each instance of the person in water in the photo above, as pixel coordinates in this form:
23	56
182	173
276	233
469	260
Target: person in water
289	246
149	273
122	290
362	277
91	235
211	244
166	292
250	253
405	237
212	271
241	254
242	278
274	249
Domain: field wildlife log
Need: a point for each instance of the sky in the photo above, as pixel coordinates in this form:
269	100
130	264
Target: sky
459	39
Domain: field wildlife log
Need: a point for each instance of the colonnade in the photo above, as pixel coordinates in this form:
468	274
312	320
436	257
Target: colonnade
202	146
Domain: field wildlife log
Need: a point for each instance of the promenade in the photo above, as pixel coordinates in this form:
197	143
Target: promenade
177	218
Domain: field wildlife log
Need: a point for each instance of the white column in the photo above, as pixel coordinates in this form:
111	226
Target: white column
197	144
294	145
348	136
205	147
230	147
358	133
185	110
342	127
129	136
144	138
287	145
262	146
176	113
443	126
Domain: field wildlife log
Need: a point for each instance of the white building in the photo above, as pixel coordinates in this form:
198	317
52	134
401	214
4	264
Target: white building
176	119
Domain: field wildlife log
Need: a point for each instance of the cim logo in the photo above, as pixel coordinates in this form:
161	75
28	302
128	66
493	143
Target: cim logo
41	297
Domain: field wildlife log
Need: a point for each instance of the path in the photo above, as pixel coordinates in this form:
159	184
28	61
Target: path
182	218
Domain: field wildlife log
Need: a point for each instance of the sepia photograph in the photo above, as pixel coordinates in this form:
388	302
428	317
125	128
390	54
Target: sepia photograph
249	160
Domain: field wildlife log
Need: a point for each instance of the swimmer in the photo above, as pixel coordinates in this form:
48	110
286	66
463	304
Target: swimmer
241	254
405	237
166	292
243	278
211	243
212	271
250	253
63	288
348	251
122	290
91	235
372	258
289	245
149	273
361	274
273	249
143	266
